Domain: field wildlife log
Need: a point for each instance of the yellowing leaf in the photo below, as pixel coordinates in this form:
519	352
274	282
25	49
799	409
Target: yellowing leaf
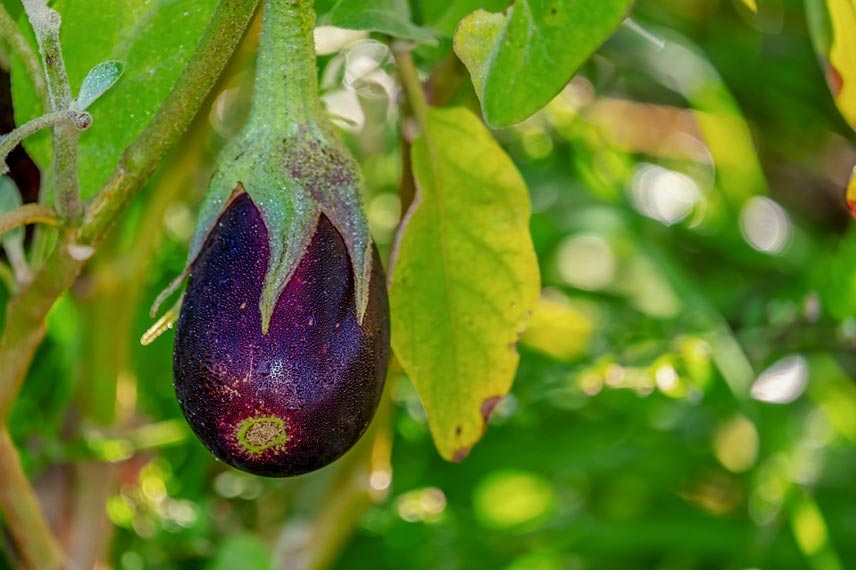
521	59
465	277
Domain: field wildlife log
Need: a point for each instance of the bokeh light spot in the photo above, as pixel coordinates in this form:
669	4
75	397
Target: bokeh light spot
783	382
586	261
765	225
508	499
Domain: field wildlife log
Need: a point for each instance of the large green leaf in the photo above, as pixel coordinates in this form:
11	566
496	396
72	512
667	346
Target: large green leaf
386	16
520	60
153	39
465	277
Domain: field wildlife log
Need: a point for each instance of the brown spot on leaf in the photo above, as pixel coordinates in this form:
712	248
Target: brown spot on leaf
488	406
458	430
460	454
834	79
851	205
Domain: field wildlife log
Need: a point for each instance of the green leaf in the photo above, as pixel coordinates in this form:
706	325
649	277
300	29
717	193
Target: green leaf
465	277
99	79
520	60
154	39
386	16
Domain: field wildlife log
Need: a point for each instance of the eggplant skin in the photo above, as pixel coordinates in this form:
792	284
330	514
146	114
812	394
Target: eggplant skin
293	400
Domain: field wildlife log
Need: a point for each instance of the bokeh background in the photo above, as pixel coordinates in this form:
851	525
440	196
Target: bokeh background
685	397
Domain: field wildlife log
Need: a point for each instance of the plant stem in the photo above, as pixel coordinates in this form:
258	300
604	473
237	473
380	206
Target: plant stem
9	141
46	22
411	84
21	47
28	214
416	106
286	89
32	535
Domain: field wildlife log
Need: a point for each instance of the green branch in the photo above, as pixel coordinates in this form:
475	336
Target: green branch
410	82
79	121
21	47
46	22
28	214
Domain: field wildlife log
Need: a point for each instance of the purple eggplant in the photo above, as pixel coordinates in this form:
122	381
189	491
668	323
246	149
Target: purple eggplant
298	397
283	337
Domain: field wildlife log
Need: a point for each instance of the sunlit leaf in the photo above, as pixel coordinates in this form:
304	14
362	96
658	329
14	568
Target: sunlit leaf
521	59
386	16
153	38
465	278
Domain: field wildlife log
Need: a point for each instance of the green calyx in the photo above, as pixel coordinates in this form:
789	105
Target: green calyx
290	161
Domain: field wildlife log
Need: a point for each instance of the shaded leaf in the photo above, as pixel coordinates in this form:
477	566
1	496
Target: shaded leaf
520	60
386	16
154	39
465	277
99	79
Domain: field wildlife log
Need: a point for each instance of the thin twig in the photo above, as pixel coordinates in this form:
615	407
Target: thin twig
28	214
9	141
46	22
36	544
22	48
410	82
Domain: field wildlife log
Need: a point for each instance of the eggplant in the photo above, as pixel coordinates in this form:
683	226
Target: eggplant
296	398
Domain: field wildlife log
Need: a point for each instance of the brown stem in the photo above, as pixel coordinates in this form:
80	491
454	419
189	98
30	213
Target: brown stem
36	545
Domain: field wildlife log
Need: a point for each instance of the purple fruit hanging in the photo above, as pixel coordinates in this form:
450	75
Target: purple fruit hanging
282	342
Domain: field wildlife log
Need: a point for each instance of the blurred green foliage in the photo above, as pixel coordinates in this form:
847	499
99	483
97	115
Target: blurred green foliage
685	397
